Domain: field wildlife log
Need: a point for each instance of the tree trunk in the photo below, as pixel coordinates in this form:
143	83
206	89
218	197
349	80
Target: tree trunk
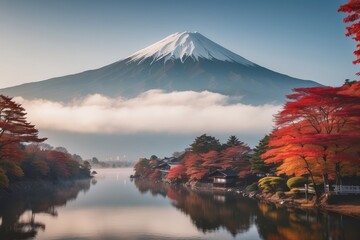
317	194
326	182
338	174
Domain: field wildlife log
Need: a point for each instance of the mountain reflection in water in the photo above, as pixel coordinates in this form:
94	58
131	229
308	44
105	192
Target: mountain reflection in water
211	211
18	211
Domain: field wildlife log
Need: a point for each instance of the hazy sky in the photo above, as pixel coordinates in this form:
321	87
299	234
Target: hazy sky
41	39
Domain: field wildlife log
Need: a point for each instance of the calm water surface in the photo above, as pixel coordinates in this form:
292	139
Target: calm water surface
113	207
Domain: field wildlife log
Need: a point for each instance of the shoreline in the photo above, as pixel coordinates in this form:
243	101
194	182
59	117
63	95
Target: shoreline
346	207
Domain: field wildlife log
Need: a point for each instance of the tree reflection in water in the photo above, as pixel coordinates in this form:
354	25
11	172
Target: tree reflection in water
283	223
18	211
211	211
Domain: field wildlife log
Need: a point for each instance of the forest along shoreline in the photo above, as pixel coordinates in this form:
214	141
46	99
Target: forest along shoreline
234	167
310	160
26	162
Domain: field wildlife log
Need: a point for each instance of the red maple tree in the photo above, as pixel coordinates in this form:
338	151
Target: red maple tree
317	132
237	158
177	173
353	10
193	164
211	160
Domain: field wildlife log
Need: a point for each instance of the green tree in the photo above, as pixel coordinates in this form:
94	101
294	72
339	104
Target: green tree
153	157
204	143
257	163
295	182
272	184
233	141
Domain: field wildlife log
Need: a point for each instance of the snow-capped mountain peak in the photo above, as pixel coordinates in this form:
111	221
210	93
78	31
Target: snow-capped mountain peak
187	45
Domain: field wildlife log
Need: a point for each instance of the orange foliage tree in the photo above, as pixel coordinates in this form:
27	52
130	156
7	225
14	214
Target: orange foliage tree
317	132
353	10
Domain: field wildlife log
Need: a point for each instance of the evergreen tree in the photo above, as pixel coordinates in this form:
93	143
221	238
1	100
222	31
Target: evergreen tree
233	141
153	157
257	164
204	143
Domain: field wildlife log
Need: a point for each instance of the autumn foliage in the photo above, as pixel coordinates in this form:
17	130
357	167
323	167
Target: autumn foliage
317	134
177	173
235	157
20	159
193	163
352	8
14	130
205	156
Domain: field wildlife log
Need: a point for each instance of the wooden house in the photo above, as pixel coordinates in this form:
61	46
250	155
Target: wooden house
223	178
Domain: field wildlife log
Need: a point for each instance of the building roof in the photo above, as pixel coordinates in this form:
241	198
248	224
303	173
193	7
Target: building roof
225	173
169	160
172	164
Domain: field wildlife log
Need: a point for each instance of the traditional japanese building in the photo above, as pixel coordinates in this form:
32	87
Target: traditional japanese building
223	178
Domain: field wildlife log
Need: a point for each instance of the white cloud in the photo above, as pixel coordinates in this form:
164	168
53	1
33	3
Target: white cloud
153	111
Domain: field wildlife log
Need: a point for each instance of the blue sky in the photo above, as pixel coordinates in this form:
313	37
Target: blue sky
41	39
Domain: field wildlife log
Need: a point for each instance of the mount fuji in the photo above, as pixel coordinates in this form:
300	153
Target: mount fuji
180	62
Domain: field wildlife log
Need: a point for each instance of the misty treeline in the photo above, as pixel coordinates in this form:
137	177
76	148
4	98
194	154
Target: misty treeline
23	155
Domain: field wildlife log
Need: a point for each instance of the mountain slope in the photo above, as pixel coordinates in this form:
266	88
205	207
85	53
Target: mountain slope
182	61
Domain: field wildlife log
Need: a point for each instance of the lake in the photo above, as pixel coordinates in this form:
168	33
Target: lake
113	207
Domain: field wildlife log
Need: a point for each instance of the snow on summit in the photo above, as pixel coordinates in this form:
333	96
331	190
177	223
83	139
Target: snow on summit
187	45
